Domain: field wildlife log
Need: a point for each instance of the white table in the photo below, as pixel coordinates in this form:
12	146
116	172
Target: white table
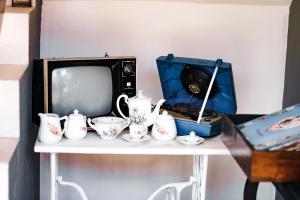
92	144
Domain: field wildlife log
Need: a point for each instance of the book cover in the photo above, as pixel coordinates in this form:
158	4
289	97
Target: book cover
273	131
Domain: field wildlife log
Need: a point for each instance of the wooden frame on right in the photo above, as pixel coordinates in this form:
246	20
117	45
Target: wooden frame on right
21	3
272	166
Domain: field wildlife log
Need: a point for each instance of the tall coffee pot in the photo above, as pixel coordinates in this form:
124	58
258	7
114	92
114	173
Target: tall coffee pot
140	109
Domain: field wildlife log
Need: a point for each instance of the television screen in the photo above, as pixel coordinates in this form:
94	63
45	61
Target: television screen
86	88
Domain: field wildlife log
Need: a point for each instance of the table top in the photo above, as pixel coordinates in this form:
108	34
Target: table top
93	144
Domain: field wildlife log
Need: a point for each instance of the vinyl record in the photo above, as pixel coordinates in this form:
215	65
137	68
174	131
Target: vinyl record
196	82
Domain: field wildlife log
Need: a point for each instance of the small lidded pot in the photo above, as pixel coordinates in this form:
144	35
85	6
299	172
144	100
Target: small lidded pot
164	128
76	126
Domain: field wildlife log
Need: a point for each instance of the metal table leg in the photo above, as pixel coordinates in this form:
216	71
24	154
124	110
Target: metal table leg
200	173
250	190
53	165
55	180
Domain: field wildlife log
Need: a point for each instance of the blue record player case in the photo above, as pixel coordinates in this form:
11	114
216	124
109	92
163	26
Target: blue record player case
222	99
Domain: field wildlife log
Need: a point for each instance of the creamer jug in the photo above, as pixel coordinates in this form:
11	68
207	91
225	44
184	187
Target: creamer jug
50	130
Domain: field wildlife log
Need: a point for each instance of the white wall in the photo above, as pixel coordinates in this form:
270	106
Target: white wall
251	37
10	108
14	41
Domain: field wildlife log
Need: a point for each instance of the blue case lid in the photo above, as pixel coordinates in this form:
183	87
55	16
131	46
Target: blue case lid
170	69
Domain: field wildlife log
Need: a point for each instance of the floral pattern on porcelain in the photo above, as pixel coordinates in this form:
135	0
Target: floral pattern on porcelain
83	129
137	118
112	132
53	129
161	130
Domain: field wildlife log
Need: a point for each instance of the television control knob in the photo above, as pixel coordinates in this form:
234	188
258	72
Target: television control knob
128	69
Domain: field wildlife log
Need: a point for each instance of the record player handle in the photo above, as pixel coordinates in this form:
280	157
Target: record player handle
118	104
209	90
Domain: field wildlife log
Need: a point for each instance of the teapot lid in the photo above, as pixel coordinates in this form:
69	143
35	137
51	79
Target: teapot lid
165	115
140	95
76	115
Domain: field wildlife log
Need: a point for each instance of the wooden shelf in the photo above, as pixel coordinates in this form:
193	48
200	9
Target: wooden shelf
20	10
11	72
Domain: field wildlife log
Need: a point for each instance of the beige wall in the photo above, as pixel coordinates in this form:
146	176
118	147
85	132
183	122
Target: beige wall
251	37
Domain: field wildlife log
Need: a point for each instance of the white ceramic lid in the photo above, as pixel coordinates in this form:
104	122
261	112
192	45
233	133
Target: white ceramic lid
140	96
191	139
76	115
165	116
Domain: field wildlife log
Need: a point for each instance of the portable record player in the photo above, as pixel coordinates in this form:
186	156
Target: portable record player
185	82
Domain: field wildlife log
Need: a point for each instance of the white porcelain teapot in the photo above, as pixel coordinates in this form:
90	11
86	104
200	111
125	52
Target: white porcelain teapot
140	109
76	126
50	129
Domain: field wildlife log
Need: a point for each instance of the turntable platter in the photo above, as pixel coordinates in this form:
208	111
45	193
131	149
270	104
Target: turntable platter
196	81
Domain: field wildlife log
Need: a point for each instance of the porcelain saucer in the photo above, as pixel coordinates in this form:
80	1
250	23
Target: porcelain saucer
128	138
188	141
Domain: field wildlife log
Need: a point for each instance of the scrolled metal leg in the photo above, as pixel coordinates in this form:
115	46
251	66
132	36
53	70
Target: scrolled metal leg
58	179
170	194
198	181
73	185
173	190
200	163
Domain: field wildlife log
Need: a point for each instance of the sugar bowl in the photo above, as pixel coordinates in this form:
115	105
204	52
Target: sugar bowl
76	127
108	127
164	128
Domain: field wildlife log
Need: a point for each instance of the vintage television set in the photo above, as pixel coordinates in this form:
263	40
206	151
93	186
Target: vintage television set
90	85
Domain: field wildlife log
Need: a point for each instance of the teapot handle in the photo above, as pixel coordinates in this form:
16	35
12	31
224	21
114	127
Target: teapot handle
127	123
118	104
90	124
65	124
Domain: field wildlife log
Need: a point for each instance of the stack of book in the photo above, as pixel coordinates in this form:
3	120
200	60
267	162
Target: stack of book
277	131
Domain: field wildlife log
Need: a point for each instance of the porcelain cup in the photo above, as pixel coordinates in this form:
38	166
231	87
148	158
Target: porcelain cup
137	131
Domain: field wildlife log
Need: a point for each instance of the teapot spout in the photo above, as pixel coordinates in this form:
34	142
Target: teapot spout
158	105
155	112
